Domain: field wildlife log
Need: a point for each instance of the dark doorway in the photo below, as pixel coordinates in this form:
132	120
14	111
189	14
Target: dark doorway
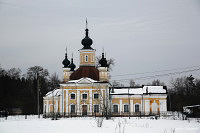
84	110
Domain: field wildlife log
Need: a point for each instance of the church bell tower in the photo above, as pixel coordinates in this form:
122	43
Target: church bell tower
87	53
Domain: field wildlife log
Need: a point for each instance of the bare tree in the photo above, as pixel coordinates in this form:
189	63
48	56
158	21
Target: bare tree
14	73
53	81
117	84
132	83
157	82
34	72
110	62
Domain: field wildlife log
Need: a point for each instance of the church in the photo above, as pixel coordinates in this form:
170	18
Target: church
86	91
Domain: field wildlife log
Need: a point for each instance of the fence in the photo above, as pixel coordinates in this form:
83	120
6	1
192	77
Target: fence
19	117
111	114
163	115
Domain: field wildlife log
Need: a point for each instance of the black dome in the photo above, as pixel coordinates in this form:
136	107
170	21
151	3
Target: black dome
66	62
72	65
103	61
87	42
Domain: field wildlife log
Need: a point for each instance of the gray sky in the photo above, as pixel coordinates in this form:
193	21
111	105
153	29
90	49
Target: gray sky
141	35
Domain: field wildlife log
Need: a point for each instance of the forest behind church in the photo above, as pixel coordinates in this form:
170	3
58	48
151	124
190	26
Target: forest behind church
19	91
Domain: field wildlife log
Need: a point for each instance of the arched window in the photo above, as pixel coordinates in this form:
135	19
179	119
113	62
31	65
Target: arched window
73	96
86	58
115	108
126	108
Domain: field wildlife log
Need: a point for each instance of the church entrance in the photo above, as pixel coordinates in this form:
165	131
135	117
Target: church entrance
84	110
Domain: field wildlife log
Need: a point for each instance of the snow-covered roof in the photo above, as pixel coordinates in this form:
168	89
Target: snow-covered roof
145	89
82	80
55	92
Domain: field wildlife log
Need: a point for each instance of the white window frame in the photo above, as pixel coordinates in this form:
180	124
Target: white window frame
98	108
139	107
124	108
117	108
96	98
82	96
74	94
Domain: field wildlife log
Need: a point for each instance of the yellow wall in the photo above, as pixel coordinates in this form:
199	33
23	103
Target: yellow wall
91	57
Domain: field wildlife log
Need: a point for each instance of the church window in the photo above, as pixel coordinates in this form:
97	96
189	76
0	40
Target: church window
72	108
86	58
96	108
126	108
84	96
137	108
73	96
96	96
115	108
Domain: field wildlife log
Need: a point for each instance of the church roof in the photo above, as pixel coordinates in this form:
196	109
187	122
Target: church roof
85	71
55	92
83	80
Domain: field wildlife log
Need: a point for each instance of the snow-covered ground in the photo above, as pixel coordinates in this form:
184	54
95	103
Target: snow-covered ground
19	124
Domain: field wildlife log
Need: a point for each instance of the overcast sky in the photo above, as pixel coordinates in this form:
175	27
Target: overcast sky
141	35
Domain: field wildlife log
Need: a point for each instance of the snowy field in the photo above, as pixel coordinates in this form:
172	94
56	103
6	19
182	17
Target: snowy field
32	124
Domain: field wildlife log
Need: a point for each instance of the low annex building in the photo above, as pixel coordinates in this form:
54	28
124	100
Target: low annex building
87	91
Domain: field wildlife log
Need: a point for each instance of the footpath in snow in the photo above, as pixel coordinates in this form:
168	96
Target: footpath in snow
19	124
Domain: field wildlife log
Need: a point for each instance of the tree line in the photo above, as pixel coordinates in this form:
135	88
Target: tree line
19	91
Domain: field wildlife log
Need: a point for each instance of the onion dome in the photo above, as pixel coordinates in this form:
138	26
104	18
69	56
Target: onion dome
86	42
66	62
72	66
103	61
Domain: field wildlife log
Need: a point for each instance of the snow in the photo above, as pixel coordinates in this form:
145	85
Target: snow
56	92
79	80
89	125
83	80
145	89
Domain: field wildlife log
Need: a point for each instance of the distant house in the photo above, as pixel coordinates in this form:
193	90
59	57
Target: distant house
87	91
147	100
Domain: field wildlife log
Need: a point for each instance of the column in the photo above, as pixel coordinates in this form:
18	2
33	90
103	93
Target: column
131	106
61	100
90	101
120	106
78	102
66	104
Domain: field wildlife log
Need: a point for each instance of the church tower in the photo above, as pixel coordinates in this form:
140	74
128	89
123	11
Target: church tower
68	68
87	66
87	53
103	69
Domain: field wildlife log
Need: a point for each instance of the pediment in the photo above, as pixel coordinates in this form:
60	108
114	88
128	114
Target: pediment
86	81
